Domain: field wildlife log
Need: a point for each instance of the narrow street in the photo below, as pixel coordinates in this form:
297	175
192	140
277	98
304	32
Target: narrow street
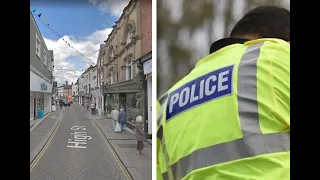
90	159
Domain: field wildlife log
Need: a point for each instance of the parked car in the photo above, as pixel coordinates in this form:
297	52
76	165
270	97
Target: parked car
66	103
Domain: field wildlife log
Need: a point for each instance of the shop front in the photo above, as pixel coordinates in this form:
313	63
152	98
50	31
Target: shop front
125	95
144	63
98	100
40	97
147	71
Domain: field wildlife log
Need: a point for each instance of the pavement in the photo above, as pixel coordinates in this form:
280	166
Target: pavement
41	131
124	144
76	150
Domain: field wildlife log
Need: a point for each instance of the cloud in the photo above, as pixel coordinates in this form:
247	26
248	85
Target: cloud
114	7
68	58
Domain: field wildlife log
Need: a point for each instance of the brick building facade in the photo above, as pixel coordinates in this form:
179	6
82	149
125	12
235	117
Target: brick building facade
146	26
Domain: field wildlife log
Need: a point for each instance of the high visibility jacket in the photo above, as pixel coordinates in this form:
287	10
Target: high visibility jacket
161	166
229	118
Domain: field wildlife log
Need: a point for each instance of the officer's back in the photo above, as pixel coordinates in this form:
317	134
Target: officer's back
229	118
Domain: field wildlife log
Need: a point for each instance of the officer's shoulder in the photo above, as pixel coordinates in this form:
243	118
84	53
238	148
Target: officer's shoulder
272	44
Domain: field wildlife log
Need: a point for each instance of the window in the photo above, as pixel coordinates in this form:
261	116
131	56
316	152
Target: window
89	76
112	78
128	40
49	65
101	78
133	107
45	58
31	106
112	53
129	33
38	46
129	70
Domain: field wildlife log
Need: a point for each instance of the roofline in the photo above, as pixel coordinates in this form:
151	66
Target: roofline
122	14
144	58
39	31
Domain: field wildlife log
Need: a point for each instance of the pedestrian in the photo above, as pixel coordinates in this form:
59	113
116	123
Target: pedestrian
122	119
87	105
92	108
139	135
114	116
229	118
61	103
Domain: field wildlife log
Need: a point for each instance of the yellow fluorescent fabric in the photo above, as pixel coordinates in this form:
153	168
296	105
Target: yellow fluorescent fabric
201	134
251	113
274	87
266	167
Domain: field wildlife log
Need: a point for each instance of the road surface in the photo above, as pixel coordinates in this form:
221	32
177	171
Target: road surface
87	157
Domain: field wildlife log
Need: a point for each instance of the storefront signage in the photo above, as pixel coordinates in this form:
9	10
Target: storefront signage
38	84
43	86
147	67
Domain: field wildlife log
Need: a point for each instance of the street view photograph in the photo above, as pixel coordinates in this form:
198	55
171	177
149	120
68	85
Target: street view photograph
91	90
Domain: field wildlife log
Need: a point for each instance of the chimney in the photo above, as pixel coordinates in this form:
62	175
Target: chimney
66	83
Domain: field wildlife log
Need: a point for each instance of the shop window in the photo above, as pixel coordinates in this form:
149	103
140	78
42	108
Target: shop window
112	102
132	107
31	108
45	104
40	102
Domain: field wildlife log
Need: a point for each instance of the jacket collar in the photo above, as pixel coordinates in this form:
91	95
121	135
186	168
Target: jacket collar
225	42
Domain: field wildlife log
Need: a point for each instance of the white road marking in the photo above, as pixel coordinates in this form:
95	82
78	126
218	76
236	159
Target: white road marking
79	137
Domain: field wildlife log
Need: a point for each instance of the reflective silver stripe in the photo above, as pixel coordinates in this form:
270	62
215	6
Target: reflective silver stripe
169	172
247	91
162	99
253	142
251	145
160	115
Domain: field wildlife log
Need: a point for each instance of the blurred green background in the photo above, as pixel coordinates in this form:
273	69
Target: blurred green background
187	28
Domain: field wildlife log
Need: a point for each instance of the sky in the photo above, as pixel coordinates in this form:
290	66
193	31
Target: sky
84	24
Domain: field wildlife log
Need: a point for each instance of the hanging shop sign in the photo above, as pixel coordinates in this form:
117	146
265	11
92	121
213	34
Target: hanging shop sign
147	67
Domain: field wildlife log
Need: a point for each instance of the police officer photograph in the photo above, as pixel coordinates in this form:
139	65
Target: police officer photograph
223	90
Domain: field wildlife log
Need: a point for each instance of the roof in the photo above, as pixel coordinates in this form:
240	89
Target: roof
88	69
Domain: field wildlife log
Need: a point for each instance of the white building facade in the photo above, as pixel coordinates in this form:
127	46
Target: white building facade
40	96
41	74
99	91
75	92
61	92
87	84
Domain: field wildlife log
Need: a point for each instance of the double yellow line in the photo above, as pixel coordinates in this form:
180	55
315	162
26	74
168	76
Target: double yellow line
39	155
121	166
